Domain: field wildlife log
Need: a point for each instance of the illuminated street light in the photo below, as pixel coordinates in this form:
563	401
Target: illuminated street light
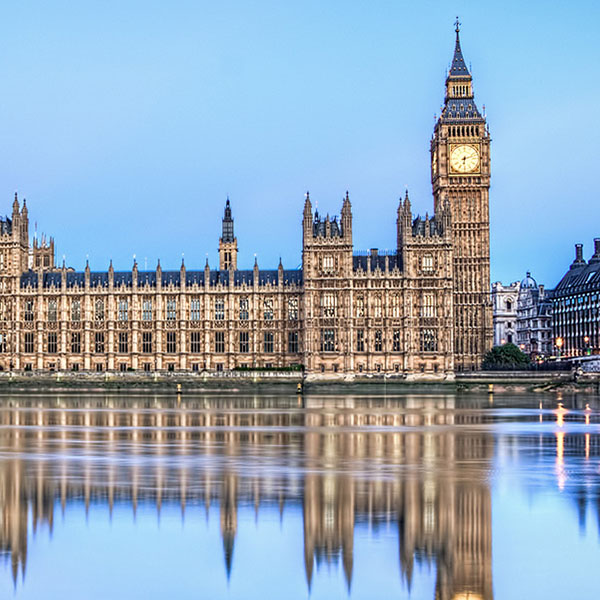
559	343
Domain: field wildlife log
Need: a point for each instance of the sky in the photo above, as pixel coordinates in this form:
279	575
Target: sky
126	123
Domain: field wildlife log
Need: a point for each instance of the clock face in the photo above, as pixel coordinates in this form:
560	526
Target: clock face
464	159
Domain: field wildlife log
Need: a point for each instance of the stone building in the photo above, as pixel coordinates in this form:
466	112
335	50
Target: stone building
422	310
504	307
576	305
534	319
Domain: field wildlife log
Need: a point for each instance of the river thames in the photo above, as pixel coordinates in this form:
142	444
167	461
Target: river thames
424	496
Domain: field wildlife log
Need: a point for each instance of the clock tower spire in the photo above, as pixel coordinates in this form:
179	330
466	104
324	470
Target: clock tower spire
460	174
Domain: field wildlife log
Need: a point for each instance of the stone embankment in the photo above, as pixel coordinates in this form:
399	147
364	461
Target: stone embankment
294	381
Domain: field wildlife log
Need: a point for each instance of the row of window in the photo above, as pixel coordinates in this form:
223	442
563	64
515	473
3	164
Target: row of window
123	347
427	341
428	306
328	308
123	310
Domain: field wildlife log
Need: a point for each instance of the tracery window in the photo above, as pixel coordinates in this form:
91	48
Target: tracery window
147	342
329	305
396	340
293	342
52	347
123	343
427	263
360	340
99	310
428	305
196	342
99	343
327	340
244	309
293	309
268	309
147	309
28	310
195	309
244	342
378	340
428	340
268	341
52	311
76	310
360	306
76	343
171	309
219	309
123	310
377	308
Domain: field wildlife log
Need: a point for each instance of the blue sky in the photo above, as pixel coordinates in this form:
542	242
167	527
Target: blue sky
125	124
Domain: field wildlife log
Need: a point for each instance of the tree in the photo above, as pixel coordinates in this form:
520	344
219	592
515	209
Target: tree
505	357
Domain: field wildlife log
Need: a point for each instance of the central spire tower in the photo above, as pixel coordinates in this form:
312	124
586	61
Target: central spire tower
227	242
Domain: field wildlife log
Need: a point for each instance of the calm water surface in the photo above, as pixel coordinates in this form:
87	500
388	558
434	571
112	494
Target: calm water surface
413	496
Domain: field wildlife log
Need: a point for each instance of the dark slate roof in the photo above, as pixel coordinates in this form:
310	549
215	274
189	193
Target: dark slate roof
98	279
419	226
170	278
51	279
266	277
217	277
360	261
459	67
77	278
6	225
581	277
460	109
192	277
292	277
319	227
30	279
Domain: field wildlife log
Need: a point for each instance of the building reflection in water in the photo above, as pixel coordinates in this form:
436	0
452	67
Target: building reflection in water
417	463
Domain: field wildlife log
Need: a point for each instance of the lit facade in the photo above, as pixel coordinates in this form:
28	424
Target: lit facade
576	305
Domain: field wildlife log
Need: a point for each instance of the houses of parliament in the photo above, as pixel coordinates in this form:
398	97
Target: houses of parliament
421	311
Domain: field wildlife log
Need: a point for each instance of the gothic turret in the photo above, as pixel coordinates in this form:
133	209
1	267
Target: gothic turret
227	242
347	218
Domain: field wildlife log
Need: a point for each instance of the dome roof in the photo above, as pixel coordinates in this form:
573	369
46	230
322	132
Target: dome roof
529	282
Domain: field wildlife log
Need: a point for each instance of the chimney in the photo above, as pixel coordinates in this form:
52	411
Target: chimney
579	253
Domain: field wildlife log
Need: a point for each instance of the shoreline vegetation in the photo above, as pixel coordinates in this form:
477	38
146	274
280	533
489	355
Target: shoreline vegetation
293	381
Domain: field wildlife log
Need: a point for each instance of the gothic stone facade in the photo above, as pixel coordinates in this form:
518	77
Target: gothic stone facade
421	311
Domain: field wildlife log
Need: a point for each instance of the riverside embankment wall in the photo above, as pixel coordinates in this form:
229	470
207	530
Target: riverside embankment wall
288	382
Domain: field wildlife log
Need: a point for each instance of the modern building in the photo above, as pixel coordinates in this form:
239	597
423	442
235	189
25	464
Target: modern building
422	310
576	302
534	319
504	307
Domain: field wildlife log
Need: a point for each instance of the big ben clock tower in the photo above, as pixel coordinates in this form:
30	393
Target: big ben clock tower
460	173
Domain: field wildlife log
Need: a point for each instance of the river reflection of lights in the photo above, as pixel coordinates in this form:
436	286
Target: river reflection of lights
560	447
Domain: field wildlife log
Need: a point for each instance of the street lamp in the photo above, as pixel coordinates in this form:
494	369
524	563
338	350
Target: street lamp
586	340
559	344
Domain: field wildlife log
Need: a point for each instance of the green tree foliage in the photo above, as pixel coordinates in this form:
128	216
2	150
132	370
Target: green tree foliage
505	357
